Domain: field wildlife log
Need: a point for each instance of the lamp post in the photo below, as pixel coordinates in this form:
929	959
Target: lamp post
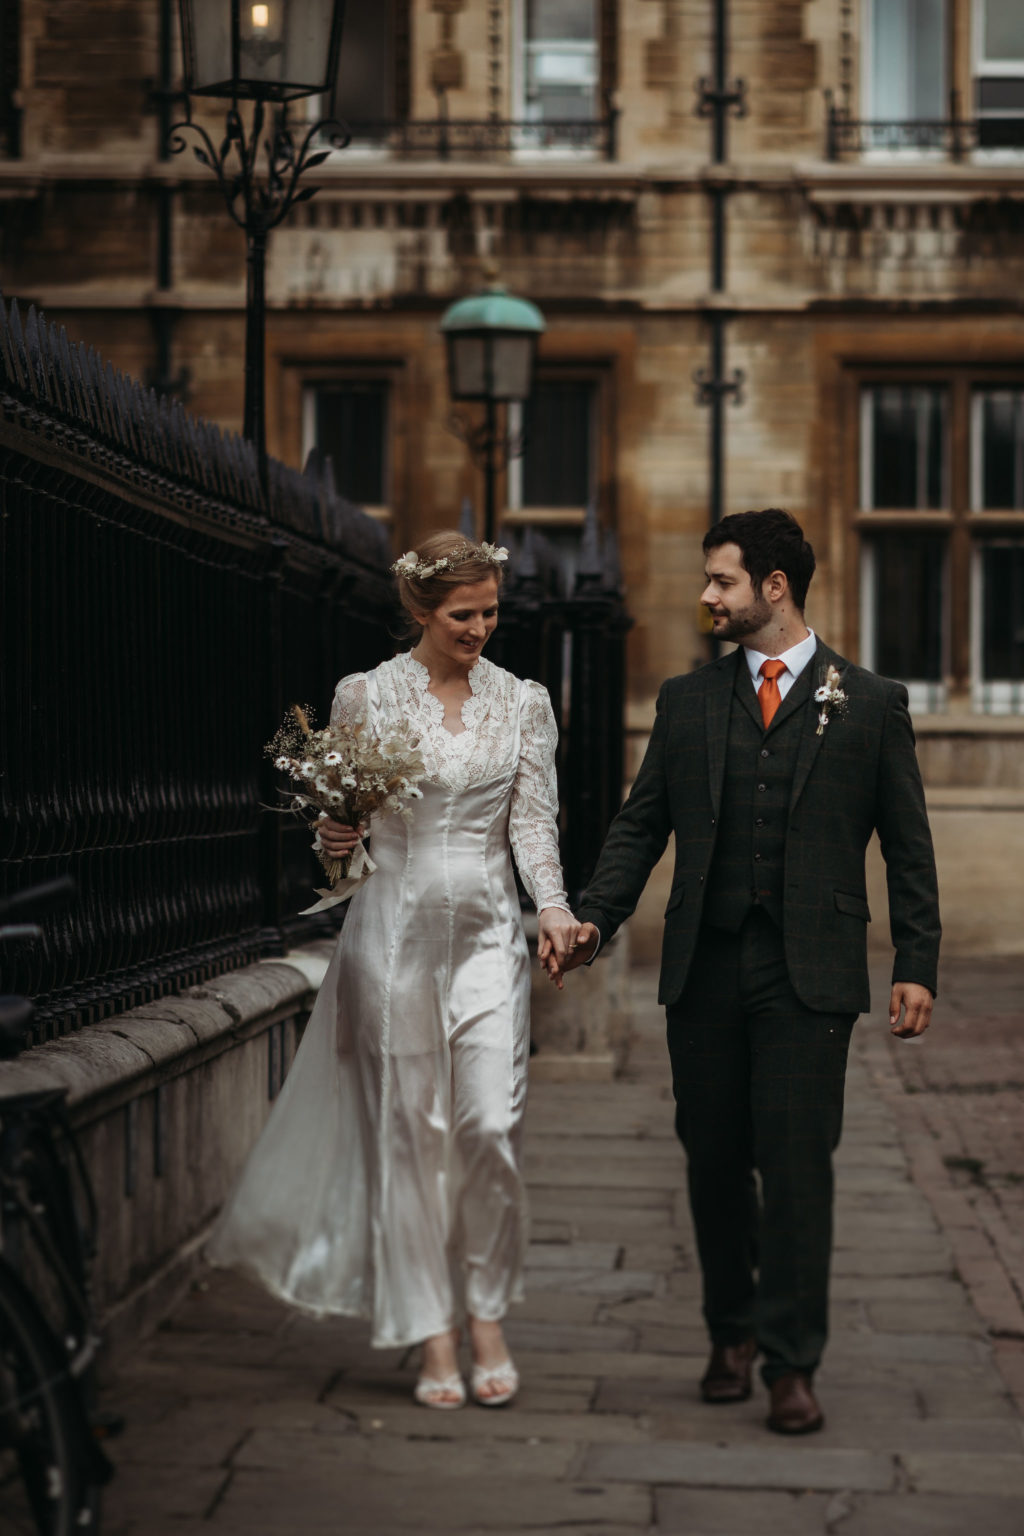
491	340
269	54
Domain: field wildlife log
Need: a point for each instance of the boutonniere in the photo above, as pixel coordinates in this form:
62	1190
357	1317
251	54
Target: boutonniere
829	697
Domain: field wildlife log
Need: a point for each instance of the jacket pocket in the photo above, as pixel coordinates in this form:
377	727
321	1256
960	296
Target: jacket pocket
854	906
675	899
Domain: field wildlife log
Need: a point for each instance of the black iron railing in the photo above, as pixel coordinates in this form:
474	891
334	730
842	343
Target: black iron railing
953	136
155	624
444	138
564	624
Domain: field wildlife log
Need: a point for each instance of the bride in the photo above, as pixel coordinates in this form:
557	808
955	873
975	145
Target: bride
387	1183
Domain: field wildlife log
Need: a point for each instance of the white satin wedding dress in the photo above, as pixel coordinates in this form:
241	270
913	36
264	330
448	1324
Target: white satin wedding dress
387	1182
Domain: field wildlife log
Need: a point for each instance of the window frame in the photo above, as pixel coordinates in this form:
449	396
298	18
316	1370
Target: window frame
601	469
606	51
869	110
314	377
982	68
966	526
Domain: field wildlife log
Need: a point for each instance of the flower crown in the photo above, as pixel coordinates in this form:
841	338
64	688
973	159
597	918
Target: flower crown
413	568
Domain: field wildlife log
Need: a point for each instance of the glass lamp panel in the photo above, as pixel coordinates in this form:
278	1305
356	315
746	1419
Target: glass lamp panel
308	43
467	366
285	45
209	26
512	364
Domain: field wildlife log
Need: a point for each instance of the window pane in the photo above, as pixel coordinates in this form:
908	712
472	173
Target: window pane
1003	30
909	605
351	426
366	67
1002	622
907	448
558	445
1002	448
561	59
908	60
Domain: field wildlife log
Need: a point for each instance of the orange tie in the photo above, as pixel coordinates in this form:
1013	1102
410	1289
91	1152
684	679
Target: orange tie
768	695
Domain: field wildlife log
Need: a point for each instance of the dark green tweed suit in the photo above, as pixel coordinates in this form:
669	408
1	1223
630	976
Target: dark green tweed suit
761	1001
859	775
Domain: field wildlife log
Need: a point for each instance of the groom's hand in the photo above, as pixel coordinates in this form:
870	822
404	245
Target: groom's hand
915	1003
587	940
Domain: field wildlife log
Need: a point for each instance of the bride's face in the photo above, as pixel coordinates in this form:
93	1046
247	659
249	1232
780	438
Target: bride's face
463	624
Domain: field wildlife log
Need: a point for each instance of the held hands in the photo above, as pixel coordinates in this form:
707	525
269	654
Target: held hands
556	942
578	943
915	1002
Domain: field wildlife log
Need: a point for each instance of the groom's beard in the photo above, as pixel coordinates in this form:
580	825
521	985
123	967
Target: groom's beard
736	626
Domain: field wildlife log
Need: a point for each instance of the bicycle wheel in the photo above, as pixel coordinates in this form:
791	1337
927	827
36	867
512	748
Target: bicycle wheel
39	1424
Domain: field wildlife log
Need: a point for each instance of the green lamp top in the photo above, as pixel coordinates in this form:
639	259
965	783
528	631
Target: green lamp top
492	310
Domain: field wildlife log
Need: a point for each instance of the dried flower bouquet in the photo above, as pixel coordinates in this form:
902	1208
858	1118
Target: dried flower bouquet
349	773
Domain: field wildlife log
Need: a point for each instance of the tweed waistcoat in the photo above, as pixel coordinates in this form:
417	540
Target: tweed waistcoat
748	864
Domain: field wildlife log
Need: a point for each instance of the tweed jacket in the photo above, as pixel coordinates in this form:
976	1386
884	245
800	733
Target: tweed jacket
860	775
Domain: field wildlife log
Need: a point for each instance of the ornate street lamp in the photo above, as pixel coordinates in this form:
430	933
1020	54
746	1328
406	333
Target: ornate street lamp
273	54
491	339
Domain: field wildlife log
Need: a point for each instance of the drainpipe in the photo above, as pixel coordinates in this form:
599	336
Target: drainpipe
162	315
716	98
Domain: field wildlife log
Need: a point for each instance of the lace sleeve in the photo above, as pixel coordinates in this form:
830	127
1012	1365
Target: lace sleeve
533	818
349	702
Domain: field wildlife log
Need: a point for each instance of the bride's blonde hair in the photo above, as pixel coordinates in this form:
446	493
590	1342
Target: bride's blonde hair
442	562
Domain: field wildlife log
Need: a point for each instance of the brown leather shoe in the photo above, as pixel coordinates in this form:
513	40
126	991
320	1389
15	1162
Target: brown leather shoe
727	1378
795	1409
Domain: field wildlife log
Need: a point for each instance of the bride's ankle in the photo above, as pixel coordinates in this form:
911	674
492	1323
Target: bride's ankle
488	1341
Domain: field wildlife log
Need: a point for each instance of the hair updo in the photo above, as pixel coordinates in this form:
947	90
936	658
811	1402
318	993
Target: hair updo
465	564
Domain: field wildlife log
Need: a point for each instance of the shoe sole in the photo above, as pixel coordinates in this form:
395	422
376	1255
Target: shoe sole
796	1429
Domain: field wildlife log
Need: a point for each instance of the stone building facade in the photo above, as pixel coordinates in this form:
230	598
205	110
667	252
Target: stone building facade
827	274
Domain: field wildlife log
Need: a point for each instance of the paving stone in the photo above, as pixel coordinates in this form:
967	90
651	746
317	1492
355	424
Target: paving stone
522	1423
357	1456
932	1348
798	1467
311	1497
978	1473
555	1306
564	1340
610	1284
573	1255
698	1512
955	1315
605	1175
136	1492
907	1514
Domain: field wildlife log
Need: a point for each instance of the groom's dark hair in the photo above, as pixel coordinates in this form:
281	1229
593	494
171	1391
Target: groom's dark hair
768	541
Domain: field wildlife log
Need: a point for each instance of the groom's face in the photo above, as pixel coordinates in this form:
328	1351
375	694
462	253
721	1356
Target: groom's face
737	610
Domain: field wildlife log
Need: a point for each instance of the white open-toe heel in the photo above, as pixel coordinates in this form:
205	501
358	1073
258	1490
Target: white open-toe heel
503	1377
428	1391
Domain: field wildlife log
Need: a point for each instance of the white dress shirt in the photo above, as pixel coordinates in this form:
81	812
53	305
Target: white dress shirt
796	658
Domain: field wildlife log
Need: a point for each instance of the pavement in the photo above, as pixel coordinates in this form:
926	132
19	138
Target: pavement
245	1418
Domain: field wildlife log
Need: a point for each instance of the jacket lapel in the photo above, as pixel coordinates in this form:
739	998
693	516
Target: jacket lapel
717	707
810	742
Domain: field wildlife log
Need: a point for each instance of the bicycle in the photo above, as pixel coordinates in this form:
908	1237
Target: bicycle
48	1339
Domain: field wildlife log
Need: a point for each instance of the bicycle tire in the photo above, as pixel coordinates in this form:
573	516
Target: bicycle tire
40	1419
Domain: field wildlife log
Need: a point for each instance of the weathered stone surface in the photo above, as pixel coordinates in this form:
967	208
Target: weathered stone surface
797	1467
273	1422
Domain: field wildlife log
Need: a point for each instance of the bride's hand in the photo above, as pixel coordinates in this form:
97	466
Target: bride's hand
556	941
337	838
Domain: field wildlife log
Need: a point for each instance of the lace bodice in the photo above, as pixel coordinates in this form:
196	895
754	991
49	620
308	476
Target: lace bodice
500	706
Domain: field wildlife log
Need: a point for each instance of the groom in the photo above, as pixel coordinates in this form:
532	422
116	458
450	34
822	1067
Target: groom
773	766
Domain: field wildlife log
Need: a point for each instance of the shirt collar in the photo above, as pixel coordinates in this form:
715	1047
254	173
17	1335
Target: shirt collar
796	658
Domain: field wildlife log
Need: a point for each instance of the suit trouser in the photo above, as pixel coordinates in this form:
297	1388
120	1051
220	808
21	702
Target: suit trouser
758	1080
